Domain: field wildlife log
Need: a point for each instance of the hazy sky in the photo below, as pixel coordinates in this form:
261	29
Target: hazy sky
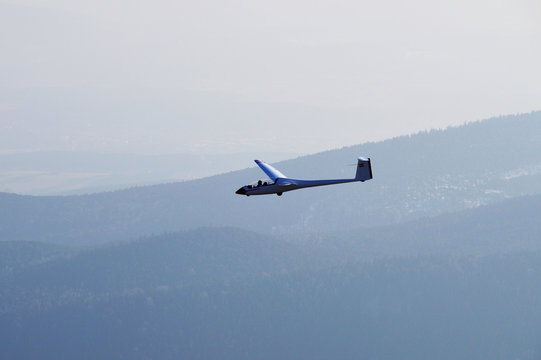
301	76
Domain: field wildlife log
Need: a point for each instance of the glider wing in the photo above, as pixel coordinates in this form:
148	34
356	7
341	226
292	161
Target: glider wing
272	173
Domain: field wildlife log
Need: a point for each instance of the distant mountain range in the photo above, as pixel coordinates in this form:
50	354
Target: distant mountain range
461	285
415	176
210	256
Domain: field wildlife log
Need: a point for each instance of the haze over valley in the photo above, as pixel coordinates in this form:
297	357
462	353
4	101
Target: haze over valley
126	128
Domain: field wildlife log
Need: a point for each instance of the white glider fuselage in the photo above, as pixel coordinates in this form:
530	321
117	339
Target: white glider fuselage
280	183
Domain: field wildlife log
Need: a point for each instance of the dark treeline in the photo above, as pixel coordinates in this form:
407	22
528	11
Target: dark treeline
232	294
422	308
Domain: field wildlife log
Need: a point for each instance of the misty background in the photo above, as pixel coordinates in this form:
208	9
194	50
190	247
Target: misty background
195	82
126	127
166	77
190	83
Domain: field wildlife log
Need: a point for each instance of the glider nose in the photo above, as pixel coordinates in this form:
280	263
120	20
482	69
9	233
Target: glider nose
241	191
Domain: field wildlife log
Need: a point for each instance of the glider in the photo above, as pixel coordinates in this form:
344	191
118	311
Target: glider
279	183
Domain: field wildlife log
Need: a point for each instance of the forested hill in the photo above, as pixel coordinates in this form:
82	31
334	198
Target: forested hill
198	258
512	225
421	175
232	294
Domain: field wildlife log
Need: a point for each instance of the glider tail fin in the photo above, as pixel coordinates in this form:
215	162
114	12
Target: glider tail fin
364	169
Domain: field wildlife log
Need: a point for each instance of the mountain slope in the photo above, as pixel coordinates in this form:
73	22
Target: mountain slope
221	256
197	258
231	294
512	225
414	176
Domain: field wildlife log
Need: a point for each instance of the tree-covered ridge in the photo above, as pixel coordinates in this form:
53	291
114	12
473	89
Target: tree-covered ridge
461	285
17	255
415	176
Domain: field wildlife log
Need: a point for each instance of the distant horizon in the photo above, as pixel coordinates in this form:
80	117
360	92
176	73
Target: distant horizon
194	152
65	172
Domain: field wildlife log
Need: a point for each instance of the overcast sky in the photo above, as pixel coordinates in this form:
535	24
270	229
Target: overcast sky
226	76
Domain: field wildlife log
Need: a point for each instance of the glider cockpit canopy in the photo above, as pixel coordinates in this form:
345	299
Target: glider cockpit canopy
260	183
